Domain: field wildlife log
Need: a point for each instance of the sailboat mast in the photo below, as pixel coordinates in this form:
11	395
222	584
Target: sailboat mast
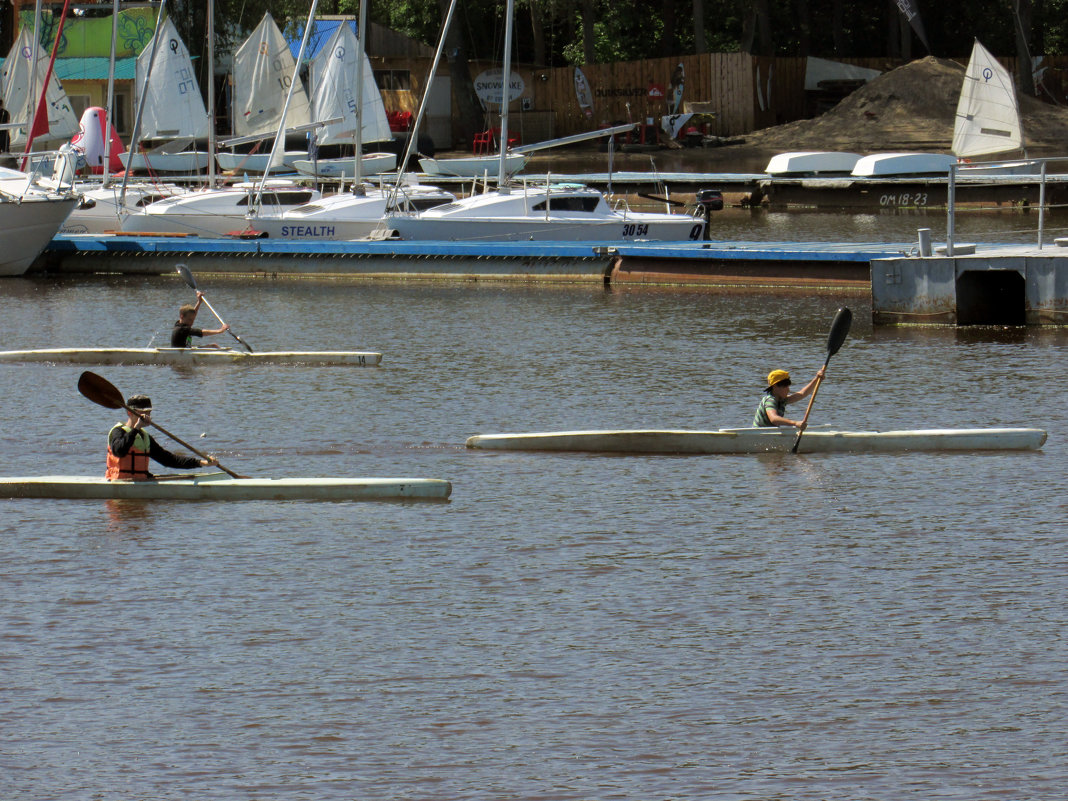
211	94
357	139
280	136
413	135
110	101
502	172
141	105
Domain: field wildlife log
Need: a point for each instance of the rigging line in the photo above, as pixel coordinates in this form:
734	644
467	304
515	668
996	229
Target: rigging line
1023	40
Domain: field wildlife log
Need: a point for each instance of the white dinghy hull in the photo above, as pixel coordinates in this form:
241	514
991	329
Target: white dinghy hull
193	356
765	440
220	487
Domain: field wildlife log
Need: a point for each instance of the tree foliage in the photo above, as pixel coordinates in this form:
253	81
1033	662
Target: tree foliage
562	32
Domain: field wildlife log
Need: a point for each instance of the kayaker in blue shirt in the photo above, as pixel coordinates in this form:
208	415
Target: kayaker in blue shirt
772	409
183	333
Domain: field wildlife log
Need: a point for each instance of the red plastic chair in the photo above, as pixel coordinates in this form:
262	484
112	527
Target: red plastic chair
482	142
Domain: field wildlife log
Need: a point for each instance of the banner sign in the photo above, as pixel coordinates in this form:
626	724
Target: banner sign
908	10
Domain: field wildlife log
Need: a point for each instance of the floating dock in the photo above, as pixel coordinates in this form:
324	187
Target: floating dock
1006	285
978	285
811	265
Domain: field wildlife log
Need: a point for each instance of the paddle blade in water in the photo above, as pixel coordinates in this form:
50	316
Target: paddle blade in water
186	275
101	391
839	330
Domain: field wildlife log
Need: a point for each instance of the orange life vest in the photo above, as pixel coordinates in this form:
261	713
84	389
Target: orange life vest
134	465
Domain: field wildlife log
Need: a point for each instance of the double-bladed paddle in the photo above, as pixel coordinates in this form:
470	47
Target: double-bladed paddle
839	331
101	391
187	276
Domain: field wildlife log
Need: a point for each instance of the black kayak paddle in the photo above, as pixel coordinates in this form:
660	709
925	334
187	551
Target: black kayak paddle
187	276
839	331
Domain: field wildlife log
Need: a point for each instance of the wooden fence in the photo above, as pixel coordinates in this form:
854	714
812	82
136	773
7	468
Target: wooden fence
741	92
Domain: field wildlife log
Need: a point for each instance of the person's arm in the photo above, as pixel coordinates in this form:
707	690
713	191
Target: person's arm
806	390
120	440
777	419
160	454
206	333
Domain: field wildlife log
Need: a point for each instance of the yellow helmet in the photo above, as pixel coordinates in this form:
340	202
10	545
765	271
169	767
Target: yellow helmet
778	376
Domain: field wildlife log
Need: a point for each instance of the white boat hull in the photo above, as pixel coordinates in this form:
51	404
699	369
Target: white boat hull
371	164
764	440
811	162
474	166
27	227
631	228
193	356
220	487
256	162
184	161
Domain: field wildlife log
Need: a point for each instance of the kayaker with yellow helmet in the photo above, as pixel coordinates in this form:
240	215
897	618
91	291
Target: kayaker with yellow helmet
777	396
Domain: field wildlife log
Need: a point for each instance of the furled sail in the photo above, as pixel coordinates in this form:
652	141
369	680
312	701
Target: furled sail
263	69
21	92
988	113
174	107
334	92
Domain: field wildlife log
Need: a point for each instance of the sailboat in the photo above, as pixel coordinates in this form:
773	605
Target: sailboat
173	108
263	70
23	77
988	116
334	96
988	113
548	212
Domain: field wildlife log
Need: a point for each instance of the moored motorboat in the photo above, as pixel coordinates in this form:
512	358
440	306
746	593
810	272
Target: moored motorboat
764	440
545	212
221	487
193	356
213	212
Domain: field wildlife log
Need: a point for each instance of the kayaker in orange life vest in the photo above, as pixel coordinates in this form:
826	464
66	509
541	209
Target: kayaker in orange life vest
772	408
130	447
183	332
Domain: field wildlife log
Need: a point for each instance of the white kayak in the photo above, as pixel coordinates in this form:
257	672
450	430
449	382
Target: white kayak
765	440
193	356
220	487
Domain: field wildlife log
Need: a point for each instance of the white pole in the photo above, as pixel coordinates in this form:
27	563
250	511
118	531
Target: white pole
502	172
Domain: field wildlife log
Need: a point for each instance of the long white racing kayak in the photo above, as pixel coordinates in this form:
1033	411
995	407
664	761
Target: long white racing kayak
765	440
220	487
320	358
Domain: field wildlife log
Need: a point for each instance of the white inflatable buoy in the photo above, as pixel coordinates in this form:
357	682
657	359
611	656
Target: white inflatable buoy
90	142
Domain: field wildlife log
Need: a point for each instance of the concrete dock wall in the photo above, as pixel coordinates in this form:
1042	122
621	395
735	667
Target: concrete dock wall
1009	286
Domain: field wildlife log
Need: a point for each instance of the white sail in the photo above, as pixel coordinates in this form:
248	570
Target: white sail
334	92
174	107
263	69
16	91
988	113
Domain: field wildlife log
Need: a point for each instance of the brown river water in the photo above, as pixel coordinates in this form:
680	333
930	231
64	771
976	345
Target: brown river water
848	626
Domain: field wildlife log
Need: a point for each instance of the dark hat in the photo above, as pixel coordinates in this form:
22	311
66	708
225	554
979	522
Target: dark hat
139	402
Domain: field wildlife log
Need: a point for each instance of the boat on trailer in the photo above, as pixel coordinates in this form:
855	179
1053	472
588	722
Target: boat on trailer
221	487
764	440
194	356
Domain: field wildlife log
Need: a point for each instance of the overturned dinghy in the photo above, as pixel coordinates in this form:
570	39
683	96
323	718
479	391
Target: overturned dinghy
221	487
765	440
194	356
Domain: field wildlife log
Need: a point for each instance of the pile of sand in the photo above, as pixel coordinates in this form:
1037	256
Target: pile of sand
909	108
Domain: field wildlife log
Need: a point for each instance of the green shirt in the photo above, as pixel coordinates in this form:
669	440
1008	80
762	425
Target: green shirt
768	402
